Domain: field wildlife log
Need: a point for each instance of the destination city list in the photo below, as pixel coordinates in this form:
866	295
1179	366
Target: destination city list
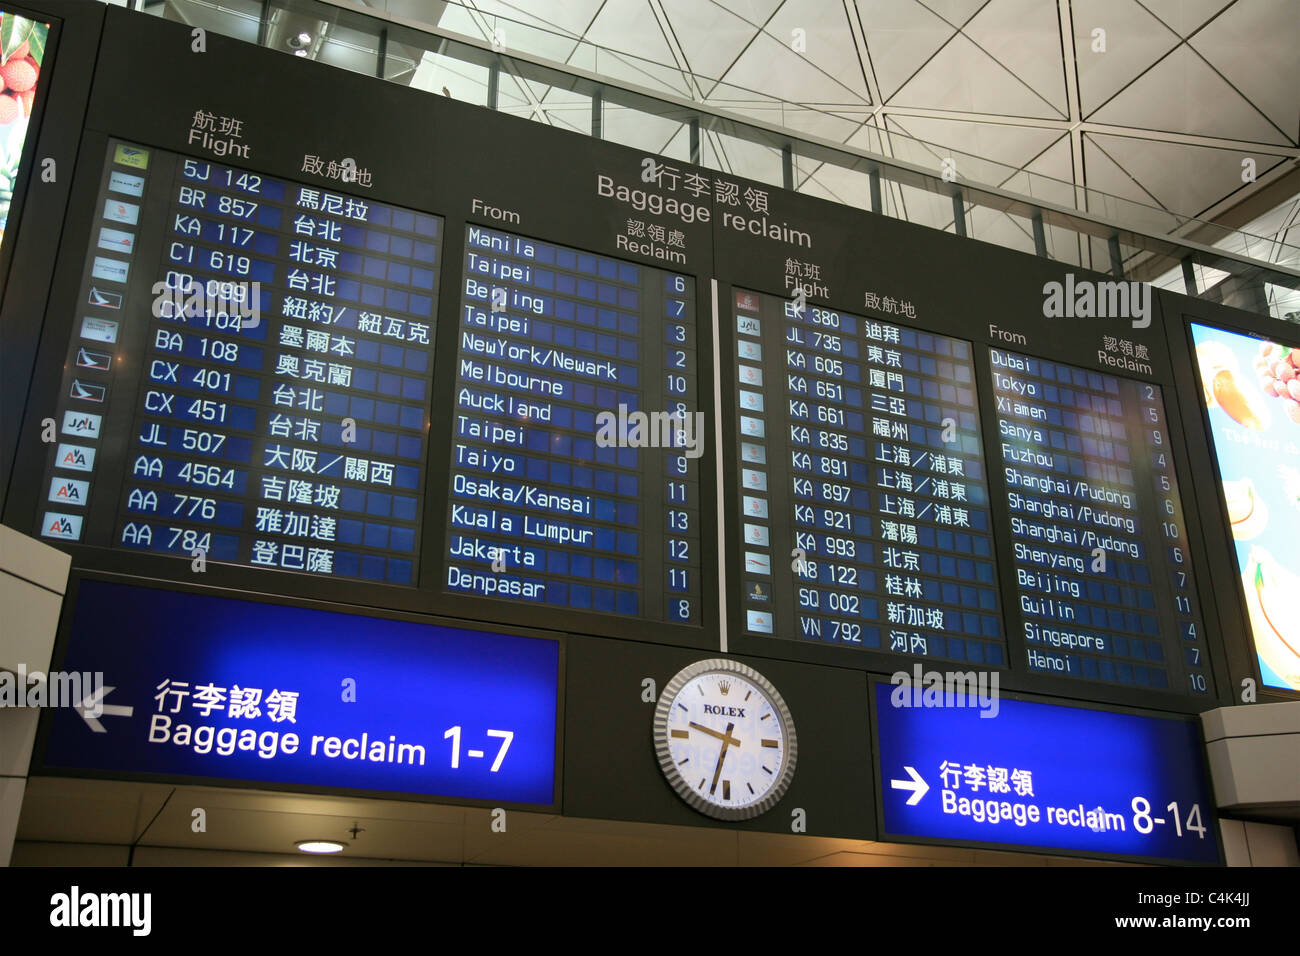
1105	588
551	341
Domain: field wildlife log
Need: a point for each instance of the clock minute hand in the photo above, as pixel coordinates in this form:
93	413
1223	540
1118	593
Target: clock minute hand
722	755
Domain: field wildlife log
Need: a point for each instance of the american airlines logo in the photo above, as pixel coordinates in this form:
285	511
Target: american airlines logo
56	525
69	491
75	457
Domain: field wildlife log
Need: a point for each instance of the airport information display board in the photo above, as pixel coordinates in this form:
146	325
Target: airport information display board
634	399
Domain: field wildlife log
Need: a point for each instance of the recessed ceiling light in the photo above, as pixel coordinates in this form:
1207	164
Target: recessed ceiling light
304	38
320	846
299	52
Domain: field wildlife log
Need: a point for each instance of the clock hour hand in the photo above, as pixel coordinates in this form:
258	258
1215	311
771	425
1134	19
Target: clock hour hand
725	738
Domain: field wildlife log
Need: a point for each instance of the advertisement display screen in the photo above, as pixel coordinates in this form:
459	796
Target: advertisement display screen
1251	393
22	53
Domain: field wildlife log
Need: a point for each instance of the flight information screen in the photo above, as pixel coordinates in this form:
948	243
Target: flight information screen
1104	583
576	436
249	377
864	502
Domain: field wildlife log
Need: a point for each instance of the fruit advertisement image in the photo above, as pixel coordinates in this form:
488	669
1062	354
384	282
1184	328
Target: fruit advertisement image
22	48
1252	393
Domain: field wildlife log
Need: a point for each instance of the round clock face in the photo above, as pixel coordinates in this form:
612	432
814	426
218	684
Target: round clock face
725	739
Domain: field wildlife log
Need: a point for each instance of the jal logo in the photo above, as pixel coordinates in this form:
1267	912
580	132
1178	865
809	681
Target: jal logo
83	424
747	326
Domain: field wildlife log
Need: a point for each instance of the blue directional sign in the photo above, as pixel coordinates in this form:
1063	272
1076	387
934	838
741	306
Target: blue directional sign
220	688
1045	775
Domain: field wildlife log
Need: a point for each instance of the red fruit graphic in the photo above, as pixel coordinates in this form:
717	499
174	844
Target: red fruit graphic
9	108
28	98
21	52
19	75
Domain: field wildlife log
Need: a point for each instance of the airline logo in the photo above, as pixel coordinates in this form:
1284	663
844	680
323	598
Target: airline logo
75	457
130	156
756	592
753	427
98	330
69	491
749	350
107	300
99	361
756	534
110	269
747	301
747	326
116	240
756	563
57	525
753	479
81	424
118	211
126	184
750	375
760	622
755	507
756	454
753	401
88	391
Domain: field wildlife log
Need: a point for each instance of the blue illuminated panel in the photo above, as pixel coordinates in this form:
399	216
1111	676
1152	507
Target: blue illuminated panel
1105	587
1043	775
556	498
864	504
280	337
275	694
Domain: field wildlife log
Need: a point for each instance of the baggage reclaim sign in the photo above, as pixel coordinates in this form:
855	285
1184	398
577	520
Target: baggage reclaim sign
200	686
1044	776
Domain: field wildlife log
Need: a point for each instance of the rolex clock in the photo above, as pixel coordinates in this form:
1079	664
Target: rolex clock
725	739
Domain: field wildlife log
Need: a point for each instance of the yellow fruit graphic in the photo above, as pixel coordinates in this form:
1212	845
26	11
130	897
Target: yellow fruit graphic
1213	357
1229	396
1247	512
1277	636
